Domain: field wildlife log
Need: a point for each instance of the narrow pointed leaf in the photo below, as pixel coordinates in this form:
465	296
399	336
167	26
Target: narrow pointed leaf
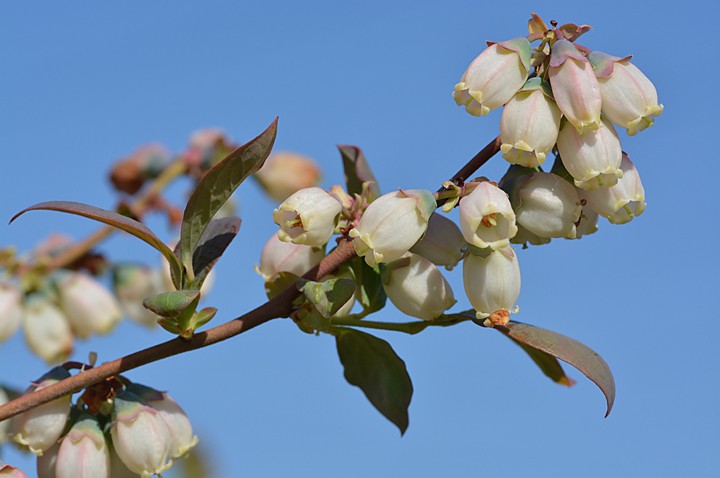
171	304
131	226
371	364
357	170
216	187
568	350
548	364
371	293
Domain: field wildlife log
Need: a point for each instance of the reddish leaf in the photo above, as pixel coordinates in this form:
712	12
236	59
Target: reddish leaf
131	226
568	350
357	170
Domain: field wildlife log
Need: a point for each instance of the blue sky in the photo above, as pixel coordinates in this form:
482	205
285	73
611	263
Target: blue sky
87	83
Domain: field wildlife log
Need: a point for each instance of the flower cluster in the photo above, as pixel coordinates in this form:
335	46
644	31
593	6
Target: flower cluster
116	428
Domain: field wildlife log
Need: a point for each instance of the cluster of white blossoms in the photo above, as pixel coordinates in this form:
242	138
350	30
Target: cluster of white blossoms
124	430
558	97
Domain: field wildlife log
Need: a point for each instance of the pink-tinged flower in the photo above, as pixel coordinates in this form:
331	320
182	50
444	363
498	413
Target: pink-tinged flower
629	99
621	202
10	310
117	467
88	305
307	217
83	452
417	287
9	471
547	205
47	331
575	86
182	438
46	463
39	428
140	436
492	284
133	283
592	158
392	224
486	217
278	256
443	243
494	76
285	173
529	125
5	424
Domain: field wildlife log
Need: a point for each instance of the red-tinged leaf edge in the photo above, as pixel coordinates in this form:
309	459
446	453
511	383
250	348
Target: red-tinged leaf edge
124	223
568	350
215	188
549	365
357	170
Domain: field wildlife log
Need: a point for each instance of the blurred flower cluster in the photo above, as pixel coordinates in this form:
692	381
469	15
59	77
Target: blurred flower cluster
114	429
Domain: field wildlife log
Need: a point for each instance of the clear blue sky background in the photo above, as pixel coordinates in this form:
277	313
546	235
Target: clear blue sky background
84	83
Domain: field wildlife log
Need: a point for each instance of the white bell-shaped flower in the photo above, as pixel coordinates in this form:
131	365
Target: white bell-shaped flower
47	331
307	217
575	86
278	256
629	99
547	205
494	76
592	158
529	125
83	452
9	471
10	310
621	202
492	284
417	287
88	305
392	224
443	244
284	173
487	218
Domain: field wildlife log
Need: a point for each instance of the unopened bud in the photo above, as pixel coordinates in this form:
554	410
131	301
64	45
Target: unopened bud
492	284
285	173
83	452
9	471
307	217
443	243
47	331
10	310
88	305
278	256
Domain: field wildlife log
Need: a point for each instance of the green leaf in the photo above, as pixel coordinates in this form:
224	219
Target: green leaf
370	293
568	350
131	226
371	364
216	187
357	171
171	304
548	364
217	237
328	296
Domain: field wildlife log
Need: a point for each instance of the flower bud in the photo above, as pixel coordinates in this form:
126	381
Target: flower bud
529	125
47	331
46	463
417	287
392	224
629	99
8	471
547	205
83	452
575	86
592	158
129	174
40	427
285	173
486	217
140	436
10	310
88	305
178	423
205	147
278	256
133	283
307	217
621	202
494	76
443	244
492	284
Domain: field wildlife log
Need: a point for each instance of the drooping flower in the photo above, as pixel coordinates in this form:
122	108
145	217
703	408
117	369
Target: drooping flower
492	284
443	243
83	452
494	76
278	256
88	305
392	224
575	86
307	217
285	173
629	99
547	205
417	287
9	471
529	125
487	218
47	331
592	158
10	310
621	202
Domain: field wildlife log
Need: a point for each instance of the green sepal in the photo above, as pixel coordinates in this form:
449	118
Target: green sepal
522	47
426	203
561	51
328	296
171	304
604	64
